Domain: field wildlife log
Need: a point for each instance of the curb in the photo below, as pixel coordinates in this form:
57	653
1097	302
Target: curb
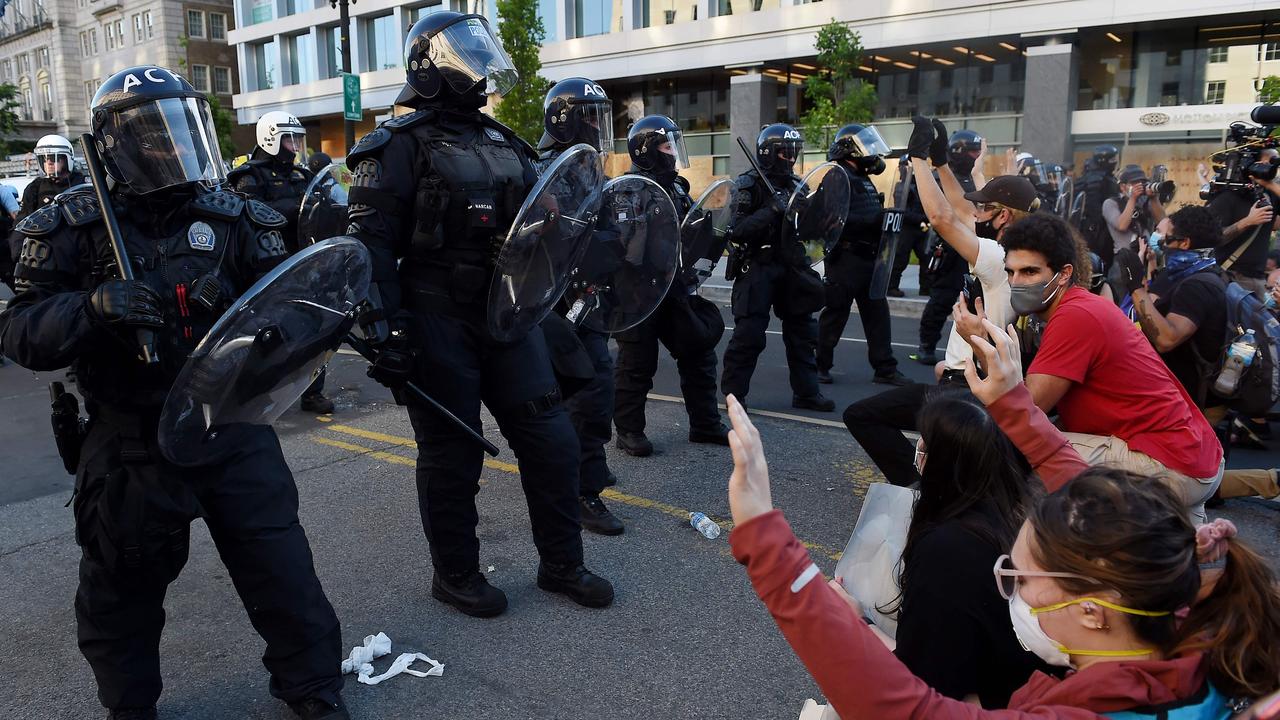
898	307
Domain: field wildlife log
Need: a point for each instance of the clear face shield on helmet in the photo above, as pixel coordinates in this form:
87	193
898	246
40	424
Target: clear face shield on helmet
293	139
163	143
54	162
467	53
1033	170
674	146
595	125
869	142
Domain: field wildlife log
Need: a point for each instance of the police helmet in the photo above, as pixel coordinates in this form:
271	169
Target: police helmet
281	135
857	141
1106	157
448	54
656	144
57	149
778	147
577	110
154	131
963	148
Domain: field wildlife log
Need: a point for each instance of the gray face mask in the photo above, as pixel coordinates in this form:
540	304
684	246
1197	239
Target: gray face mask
1030	299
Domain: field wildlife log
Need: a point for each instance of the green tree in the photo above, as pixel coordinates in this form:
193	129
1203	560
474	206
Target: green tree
9	105
1270	91
836	95
224	123
521	32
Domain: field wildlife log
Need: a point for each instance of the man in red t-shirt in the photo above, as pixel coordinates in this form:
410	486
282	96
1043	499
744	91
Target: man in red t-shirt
1117	401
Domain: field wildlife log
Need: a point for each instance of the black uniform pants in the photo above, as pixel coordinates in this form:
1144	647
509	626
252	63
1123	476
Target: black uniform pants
942	298
848	280
133	512
591	410
914	241
877	423
637	363
462	367
762	288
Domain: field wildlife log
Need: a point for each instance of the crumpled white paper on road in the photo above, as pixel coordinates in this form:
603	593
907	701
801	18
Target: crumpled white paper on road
375	646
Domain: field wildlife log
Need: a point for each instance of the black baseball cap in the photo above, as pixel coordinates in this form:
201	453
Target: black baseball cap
1012	191
1133	174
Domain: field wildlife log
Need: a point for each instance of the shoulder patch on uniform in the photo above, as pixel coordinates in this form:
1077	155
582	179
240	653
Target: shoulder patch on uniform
368	145
41	222
220	205
266	216
401	122
508	135
80	209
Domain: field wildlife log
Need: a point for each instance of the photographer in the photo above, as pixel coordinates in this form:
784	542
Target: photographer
1247	216
1135	212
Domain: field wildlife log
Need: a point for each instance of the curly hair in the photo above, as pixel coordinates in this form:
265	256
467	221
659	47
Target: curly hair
1198	225
1050	236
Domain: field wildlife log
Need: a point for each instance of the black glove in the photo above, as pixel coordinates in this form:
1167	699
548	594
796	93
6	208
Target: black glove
124	303
392	368
938	150
1130	270
921	138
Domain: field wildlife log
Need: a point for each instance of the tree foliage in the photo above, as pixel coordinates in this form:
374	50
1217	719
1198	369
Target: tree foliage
1270	91
836	95
521	32
224	123
9	104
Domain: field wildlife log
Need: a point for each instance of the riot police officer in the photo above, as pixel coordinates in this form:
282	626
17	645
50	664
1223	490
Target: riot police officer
770	272
915	233
194	250
436	190
577	110
57	174
849	266
946	269
277	174
656	147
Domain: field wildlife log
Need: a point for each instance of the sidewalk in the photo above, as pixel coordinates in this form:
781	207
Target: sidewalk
718	290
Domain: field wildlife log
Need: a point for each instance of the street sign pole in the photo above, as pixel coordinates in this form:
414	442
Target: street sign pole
344	36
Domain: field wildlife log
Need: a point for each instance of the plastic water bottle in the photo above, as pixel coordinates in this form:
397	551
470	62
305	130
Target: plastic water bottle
1239	357
704	525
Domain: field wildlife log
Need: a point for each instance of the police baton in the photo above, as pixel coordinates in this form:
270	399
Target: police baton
366	351
93	161
768	185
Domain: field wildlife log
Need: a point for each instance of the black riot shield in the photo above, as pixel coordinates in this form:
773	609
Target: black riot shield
323	213
631	259
704	232
545	243
817	210
1066	193
890	237
265	350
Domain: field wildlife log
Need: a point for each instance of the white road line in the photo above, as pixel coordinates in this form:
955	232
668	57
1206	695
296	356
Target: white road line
728	328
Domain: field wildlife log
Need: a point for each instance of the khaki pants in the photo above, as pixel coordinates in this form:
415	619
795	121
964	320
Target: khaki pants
1112	451
1247	483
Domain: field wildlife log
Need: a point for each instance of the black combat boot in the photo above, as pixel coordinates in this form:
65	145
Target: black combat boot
635	444
713	436
818	402
580	584
469	592
597	518
317	403
317	709
132	714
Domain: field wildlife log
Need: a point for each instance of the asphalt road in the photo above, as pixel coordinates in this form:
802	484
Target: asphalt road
686	636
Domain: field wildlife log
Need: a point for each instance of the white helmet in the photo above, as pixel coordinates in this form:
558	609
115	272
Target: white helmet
53	147
280	130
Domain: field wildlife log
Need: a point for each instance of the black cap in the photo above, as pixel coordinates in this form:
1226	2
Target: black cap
1012	191
1133	174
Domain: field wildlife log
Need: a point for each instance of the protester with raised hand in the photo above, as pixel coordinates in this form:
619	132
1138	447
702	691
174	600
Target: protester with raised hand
1102	579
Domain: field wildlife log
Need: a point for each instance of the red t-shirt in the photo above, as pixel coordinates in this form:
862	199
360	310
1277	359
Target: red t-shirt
1121	387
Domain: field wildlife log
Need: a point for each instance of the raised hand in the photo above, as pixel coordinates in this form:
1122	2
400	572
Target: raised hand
749	494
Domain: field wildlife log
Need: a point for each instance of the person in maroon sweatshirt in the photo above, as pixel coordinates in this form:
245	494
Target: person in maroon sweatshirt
1103	579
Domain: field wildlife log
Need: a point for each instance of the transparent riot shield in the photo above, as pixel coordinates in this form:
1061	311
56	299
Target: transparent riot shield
817	210
323	213
704	232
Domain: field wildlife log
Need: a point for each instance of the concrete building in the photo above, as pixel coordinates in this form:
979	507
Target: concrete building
1054	77
57	52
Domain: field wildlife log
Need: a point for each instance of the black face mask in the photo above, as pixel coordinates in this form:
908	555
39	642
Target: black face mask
961	164
987	228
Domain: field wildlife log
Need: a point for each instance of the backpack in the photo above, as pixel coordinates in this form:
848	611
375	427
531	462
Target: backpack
1097	187
1207	704
1259	387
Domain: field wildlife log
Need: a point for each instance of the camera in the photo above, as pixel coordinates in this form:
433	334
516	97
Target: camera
1236	167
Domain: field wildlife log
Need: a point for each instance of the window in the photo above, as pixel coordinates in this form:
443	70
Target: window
119	27
222	80
46	101
383	41
6	70
84	43
24	63
1269	51
591	17
93	41
1218	54
217	26
1169	93
110	36
263	10
90	88
264	60
1214	92
439	7
302	58
146	21
195	23
137	28
200	78
42	57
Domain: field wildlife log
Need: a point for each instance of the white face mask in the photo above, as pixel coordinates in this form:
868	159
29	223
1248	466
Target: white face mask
1033	637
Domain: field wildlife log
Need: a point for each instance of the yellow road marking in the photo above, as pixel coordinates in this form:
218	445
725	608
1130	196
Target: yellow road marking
608	493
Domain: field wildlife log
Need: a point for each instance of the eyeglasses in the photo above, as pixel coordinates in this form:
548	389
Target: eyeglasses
921	453
990	207
1007	576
